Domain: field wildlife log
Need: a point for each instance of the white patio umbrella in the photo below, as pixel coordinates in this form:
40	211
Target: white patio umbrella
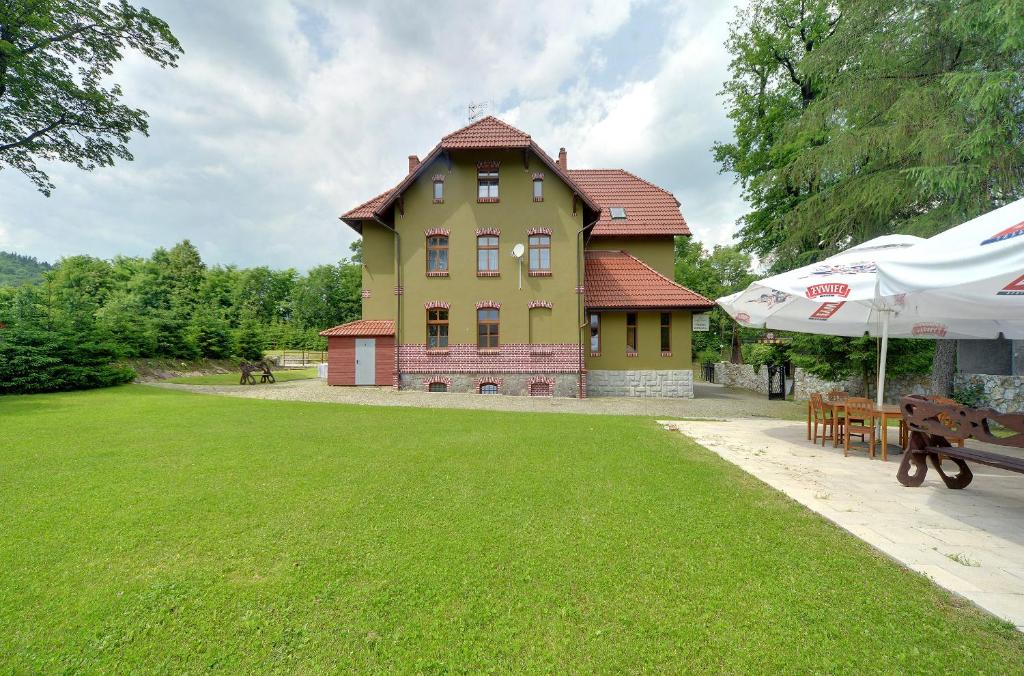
974	272
839	296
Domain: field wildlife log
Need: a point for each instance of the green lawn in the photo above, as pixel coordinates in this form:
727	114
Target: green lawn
147	529
233	378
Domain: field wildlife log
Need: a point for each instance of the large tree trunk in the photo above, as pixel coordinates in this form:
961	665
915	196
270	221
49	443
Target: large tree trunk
736	356
943	368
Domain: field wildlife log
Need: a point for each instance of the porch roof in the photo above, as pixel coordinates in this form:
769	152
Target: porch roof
362	327
616	280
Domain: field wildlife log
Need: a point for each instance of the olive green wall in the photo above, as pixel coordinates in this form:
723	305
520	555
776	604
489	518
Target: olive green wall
658	252
513	215
378	271
613	343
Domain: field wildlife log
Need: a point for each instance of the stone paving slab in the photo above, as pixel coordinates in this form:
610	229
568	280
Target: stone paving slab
969	541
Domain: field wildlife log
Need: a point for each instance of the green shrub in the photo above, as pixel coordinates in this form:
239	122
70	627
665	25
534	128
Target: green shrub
972	395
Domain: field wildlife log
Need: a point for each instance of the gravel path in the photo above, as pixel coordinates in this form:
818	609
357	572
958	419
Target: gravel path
711	401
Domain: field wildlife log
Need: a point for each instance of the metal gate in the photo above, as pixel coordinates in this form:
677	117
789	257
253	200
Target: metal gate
777	382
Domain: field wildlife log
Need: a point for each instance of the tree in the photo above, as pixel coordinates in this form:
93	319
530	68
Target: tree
724	270
54	58
770	87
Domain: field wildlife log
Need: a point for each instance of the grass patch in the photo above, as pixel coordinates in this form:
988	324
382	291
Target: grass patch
148	529
233	378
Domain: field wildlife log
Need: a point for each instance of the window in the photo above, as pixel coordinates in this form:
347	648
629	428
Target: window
487	253
437	328
488	388
540	253
437	253
540	389
487	184
437	387
487	328
438	192
538	190
666	331
595	333
618	213
631	332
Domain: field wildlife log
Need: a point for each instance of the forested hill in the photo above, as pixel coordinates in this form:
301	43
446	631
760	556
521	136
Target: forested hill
16	269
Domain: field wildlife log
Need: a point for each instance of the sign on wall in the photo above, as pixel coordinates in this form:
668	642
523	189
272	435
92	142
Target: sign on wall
702	322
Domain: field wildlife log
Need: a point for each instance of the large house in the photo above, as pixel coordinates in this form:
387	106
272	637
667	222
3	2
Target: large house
493	268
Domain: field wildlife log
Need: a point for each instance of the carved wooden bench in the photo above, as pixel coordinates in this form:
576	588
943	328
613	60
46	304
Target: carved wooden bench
250	369
932	424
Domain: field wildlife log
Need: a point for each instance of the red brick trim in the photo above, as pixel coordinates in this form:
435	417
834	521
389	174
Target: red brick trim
437	273
538	199
595	354
487	200
508	358
541	380
488	165
580	290
437	304
488	273
538	231
438	177
666	353
438	201
436	232
539	273
431	380
537	174
365	293
539	303
399	290
493	304
488	232
632	354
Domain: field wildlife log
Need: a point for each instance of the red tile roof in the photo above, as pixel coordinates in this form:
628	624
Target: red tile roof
487	132
617	280
363	327
650	210
366	209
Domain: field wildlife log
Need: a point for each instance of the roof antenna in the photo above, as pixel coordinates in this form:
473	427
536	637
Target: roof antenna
475	111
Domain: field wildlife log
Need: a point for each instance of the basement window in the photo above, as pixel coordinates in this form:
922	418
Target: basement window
618	213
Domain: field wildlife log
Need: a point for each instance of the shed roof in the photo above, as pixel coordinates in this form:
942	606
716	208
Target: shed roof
362	327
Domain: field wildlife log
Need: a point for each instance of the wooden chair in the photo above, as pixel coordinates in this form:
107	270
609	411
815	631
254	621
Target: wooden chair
824	417
945	401
860	420
838	395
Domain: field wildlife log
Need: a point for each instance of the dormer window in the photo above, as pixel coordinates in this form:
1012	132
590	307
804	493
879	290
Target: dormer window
618	213
487	182
438	191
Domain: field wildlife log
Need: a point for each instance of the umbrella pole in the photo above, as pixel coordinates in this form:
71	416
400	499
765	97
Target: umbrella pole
880	385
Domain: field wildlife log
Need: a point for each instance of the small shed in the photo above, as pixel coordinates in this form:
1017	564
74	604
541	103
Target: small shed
361	352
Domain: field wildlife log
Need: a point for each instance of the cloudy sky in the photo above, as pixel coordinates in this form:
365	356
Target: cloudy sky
285	113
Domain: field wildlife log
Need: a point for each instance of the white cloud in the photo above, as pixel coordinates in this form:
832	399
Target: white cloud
284	115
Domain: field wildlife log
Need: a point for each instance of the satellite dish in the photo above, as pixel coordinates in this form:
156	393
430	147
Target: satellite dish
518	250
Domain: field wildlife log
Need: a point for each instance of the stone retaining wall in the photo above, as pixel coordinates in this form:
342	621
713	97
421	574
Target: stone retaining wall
640	384
743	375
1003	393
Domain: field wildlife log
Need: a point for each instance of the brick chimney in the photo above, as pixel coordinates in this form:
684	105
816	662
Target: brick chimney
563	161
414	161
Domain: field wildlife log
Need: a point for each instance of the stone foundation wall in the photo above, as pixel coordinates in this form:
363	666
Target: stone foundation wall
1003	393
561	384
604	383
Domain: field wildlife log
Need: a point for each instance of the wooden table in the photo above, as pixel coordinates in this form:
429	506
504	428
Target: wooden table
884	413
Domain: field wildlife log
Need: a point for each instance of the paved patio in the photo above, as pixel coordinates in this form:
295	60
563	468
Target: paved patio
970	541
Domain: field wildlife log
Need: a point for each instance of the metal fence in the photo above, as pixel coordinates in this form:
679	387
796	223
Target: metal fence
297	359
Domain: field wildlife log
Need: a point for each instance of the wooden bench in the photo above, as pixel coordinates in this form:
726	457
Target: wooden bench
934	422
249	370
